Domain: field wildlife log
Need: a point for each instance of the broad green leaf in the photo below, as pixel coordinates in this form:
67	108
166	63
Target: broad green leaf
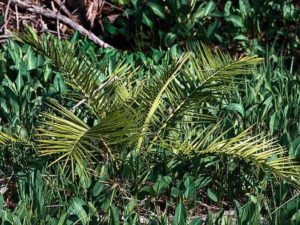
196	222
99	188
111	29
169	39
202	182
30	59
211	5
174	52
212	195
157	9
218	216
236	107
47	73
108	200
244	7
162	184
190	188
175	192
236	20
227	8
295	147
209	219
62	219
289	11
114	215
212	28
147	20
92	208
274	122
135	3
77	208
75	37
296	217
85	179
7	218
22	73
180	217
131	205
241	37
199	13
1	204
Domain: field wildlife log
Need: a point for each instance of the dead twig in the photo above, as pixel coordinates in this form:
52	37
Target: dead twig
57	20
63	8
113	6
63	19
4	38
6	17
17	17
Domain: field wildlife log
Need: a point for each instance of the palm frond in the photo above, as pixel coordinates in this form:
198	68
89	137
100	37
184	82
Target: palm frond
7	138
100	88
79	144
263	152
168	108
202	77
151	96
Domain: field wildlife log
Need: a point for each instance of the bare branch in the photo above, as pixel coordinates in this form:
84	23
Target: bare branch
63	8
6	16
63	19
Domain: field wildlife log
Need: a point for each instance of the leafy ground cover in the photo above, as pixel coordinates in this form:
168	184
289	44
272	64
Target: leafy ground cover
182	133
175	167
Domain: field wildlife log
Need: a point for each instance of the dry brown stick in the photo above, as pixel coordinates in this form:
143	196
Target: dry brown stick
17	17
63	8
113	6
6	16
57	21
3	39
63	19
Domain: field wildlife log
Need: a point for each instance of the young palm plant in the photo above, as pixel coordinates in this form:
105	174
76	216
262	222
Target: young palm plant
174	109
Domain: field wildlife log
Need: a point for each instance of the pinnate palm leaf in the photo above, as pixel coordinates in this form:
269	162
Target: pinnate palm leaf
78	144
199	78
173	105
260	150
99	87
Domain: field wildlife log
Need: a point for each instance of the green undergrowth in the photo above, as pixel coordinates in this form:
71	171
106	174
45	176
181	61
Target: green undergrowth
150	187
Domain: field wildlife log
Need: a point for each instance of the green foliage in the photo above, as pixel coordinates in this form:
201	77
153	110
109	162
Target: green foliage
270	99
53	199
240	25
144	138
121	104
26	80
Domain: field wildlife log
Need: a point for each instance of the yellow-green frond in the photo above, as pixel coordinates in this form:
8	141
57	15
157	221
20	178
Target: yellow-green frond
101	88
75	143
261	151
8	138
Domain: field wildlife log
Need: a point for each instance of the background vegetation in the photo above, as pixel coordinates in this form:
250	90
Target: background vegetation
154	168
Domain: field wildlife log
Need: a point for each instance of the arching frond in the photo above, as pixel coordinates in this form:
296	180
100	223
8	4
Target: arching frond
7	138
202	77
76	143
168	109
157	88
263	152
100	88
